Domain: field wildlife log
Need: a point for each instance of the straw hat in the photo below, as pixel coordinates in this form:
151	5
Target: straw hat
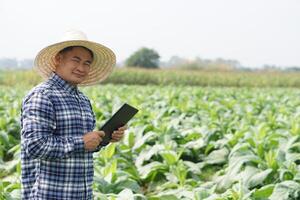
103	62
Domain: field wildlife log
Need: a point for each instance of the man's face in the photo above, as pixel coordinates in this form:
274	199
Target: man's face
73	66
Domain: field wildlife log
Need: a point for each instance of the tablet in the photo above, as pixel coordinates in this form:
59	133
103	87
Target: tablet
119	119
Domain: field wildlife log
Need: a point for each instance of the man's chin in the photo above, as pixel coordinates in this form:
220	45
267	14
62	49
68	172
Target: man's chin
77	77
76	81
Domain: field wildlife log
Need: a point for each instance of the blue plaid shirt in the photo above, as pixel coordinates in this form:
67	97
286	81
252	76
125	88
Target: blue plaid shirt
54	165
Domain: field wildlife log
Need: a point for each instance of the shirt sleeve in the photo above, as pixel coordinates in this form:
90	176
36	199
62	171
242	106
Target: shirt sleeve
38	126
94	125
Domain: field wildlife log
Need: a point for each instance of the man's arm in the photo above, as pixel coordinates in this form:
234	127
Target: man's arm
38	125
98	148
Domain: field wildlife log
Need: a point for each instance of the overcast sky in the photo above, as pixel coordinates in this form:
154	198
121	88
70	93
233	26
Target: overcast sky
254	32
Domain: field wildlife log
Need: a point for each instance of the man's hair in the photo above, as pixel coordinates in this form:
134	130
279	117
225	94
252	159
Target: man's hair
65	50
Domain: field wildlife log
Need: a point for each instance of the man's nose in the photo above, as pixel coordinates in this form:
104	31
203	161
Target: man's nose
81	67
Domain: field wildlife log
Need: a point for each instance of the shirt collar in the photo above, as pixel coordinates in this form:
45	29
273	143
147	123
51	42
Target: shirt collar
57	80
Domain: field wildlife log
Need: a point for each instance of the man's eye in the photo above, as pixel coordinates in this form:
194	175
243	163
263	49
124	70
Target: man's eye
77	61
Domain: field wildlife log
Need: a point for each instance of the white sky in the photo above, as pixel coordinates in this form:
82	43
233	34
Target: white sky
254	32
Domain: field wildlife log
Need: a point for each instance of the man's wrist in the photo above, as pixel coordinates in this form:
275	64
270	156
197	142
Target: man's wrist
78	143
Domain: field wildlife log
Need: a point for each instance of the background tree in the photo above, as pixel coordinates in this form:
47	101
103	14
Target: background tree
144	57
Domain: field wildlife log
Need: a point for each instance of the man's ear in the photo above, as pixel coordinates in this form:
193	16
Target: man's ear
57	59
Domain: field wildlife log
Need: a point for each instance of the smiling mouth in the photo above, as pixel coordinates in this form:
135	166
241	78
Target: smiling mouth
79	75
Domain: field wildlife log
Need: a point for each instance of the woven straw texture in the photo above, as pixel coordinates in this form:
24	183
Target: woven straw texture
103	62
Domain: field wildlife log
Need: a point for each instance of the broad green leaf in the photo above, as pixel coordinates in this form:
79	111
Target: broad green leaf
263	192
109	170
108	151
147	153
147	170
169	156
125	194
217	156
258	178
286	190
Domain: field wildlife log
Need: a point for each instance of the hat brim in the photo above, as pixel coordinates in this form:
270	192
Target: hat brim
103	61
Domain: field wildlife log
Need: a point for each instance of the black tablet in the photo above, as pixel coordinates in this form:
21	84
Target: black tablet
119	119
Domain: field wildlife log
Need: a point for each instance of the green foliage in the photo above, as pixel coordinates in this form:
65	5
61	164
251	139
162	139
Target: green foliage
185	143
162	77
145	58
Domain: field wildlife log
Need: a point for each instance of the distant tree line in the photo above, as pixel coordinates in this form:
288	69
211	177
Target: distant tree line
12	63
198	63
149	58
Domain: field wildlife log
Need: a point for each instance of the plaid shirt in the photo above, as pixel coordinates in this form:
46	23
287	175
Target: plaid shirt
54	164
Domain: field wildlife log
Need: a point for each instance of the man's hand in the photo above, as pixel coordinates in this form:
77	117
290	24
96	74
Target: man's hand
92	140
118	134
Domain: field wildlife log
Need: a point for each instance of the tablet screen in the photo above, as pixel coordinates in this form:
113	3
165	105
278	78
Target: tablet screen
119	119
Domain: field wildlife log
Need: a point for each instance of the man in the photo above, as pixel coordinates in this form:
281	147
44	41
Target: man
57	137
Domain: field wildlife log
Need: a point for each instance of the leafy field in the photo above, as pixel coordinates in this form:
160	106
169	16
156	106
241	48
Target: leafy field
185	143
133	76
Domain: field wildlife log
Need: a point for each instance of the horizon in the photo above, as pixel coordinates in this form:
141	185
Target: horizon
255	33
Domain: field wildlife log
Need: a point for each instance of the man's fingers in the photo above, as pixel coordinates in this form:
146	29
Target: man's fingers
100	133
122	128
118	132
117	136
